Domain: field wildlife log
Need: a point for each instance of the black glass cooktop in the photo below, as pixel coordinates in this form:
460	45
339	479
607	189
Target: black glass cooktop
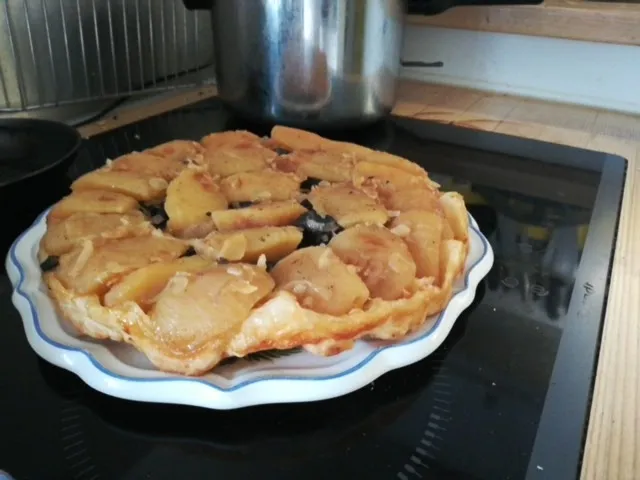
505	397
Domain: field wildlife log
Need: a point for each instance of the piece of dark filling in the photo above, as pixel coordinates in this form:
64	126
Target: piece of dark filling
309	183
156	214
235	205
189	252
316	229
50	263
314	222
261	356
281	151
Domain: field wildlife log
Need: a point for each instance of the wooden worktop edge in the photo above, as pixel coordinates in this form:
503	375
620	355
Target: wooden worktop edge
602	22
612	449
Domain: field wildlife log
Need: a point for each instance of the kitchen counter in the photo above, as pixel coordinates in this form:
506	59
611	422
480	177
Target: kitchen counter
613	438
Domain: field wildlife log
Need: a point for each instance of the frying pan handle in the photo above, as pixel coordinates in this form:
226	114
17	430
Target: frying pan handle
198	4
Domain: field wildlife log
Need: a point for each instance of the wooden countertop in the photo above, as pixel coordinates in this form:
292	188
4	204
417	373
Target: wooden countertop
612	450
595	21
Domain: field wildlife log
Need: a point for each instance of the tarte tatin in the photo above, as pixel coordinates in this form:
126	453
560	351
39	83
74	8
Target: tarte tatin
194	252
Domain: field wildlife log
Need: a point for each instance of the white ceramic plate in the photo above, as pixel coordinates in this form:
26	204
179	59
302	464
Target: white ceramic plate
121	371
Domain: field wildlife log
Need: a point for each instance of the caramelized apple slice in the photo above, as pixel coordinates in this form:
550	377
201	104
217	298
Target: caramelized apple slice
327	166
348	205
248	244
237	151
412	199
332	167
453	254
382	259
179	151
97	201
447	231
384	158
196	315
129	183
456	213
386	177
229	139
93	268
62	236
189	199
259	186
274	214
294	139
142	286
320	281
230	160
148	165
422	232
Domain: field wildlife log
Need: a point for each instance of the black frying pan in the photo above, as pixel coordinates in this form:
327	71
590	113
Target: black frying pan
34	159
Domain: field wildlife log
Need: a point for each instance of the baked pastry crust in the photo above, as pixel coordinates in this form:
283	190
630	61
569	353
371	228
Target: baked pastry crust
194	252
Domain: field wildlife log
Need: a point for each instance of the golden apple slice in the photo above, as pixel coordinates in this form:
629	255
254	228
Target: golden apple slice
180	151
229	139
62	236
274	214
320	281
422	232
348	205
230	160
128	183
260	186
93	267
148	165
382	259
247	245
456	213
190	197
405	199
96	201
332	167
143	285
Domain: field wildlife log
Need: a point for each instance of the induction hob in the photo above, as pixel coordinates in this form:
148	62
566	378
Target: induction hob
505	397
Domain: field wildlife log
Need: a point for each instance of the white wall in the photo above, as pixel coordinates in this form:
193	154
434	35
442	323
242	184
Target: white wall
585	73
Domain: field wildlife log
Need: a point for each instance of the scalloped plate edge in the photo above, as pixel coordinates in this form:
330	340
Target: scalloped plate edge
265	390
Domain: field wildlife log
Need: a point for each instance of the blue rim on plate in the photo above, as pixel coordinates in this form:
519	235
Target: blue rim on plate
19	292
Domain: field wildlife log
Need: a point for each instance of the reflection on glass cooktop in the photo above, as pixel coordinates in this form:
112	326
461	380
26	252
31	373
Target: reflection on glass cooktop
505	397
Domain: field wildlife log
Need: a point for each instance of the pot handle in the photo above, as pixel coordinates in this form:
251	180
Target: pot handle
198	4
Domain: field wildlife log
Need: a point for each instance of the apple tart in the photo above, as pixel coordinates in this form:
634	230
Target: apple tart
194	252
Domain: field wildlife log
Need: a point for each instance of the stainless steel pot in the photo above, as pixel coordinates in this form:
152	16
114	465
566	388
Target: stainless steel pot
310	63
